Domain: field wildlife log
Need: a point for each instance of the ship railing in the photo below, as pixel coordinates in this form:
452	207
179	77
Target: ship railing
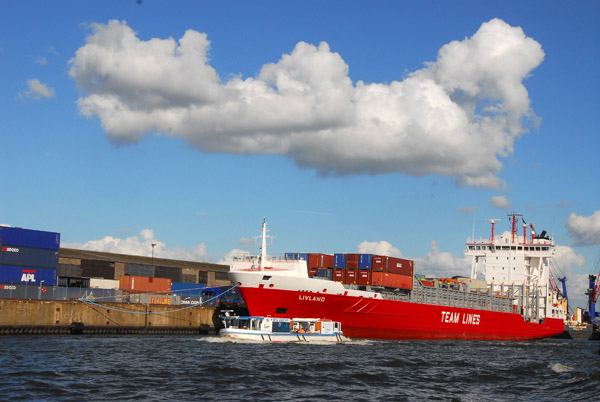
460	297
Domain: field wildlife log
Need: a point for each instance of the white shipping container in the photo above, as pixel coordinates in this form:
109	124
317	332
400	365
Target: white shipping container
99	283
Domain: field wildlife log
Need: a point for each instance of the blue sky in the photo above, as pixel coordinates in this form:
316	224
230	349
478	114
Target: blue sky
392	127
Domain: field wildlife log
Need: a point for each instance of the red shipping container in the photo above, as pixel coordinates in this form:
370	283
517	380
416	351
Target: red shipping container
364	277
399	266
351	277
144	284
379	262
316	260
352	261
312	271
339	275
390	280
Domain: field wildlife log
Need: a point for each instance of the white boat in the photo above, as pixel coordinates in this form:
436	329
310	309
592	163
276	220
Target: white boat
272	329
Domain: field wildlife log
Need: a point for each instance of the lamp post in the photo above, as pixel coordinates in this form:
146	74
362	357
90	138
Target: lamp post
153	244
40	289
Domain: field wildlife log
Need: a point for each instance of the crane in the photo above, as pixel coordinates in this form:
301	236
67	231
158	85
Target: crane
592	293
563	280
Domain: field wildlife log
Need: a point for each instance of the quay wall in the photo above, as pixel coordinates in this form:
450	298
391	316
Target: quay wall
19	316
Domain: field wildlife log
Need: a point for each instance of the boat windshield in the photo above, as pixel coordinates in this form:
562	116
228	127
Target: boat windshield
242	322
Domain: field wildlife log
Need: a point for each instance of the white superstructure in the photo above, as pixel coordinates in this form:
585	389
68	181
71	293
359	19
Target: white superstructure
518	264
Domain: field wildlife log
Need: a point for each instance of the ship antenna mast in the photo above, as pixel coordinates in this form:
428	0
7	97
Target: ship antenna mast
514	224
263	247
493	223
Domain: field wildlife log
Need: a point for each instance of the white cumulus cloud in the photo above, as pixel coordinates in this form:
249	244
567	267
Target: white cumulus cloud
142	245
379	248
36	90
457	117
500	201
584	230
442	264
562	266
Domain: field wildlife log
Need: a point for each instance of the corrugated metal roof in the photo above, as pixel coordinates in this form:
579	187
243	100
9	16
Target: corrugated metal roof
138	259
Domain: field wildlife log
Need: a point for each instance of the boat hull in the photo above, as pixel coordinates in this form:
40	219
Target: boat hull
388	319
281	337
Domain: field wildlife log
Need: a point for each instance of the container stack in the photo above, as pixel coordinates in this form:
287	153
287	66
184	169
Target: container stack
28	256
319	265
374	270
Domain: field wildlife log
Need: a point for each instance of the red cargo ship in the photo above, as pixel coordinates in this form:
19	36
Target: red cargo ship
409	308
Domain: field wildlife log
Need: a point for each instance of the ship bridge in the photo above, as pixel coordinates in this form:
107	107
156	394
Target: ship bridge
519	262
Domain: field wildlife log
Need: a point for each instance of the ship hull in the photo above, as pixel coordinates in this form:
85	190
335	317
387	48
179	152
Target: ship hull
389	319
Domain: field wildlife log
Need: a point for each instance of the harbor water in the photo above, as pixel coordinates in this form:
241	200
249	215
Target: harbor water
207	368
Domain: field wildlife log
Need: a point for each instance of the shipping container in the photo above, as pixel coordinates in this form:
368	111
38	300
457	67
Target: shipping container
317	260
390	280
173	273
364	277
98	269
97	283
139	270
365	261
312	271
69	270
399	266
187	289
351	277
190	300
144	284
339	261
52	292
150	298
73	282
27	275
352	261
339	275
10	236
28	256
379	263
324	273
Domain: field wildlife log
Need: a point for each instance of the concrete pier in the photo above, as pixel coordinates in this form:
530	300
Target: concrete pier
18	316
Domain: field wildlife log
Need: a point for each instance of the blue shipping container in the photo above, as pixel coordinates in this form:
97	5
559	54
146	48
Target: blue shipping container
28	256
190	289
339	261
365	261
10	236
296	256
23	275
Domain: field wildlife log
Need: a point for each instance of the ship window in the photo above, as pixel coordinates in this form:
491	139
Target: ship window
281	310
266	277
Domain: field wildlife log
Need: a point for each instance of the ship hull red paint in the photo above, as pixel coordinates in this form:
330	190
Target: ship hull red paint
388	319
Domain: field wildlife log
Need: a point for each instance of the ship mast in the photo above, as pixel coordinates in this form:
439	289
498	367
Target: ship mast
514	217
263	246
493	221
